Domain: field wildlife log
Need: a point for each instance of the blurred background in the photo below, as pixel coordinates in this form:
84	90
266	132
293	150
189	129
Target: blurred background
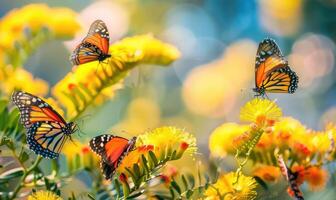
215	75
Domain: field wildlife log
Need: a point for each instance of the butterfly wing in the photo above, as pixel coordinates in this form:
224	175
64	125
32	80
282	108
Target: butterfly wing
45	127
272	73
99	36
282	80
46	138
268	58
111	149
33	109
95	44
85	52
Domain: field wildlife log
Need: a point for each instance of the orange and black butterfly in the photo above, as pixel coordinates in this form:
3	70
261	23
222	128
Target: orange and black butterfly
291	177
111	149
94	47
47	131
272	72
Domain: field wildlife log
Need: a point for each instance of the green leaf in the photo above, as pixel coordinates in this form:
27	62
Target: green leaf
136	170
185	182
90	196
15	174
261	182
144	163
189	193
153	158
117	187
133	176
134	196
191	180
175	186
23	156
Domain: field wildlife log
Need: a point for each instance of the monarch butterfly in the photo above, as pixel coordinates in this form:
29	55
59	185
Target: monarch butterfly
47	131
111	149
291	177
272	72
94	47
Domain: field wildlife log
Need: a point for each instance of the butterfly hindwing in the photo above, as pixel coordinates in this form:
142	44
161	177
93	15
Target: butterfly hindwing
47	131
272	72
282	80
112	150
46	139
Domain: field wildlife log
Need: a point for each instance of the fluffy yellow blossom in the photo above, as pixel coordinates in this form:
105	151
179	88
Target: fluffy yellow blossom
316	178
260	111
286	129
86	83
20	79
267	173
226	188
165	138
44	195
160	141
221	140
61	22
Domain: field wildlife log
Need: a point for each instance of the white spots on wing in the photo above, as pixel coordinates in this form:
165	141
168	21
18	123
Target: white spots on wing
34	100
101	144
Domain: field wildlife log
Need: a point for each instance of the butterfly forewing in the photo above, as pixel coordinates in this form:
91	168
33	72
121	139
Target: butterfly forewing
47	131
33	109
97	144
272	73
112	150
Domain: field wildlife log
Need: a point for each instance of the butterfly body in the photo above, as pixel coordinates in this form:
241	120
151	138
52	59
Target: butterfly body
112	150
47	131
272	72
94	47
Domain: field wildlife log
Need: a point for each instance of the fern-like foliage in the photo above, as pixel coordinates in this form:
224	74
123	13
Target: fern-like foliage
10	127
25	47
248	145
134	182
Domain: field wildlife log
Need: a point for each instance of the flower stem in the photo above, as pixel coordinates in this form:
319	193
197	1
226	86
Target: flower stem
24	176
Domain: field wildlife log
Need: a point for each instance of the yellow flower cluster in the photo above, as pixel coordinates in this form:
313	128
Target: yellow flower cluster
160	141
262	113
227	188
92	82
44	195
11	79
61	22
301	146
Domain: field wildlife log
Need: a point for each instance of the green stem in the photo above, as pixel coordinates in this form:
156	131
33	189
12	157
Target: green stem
255	140
26	173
